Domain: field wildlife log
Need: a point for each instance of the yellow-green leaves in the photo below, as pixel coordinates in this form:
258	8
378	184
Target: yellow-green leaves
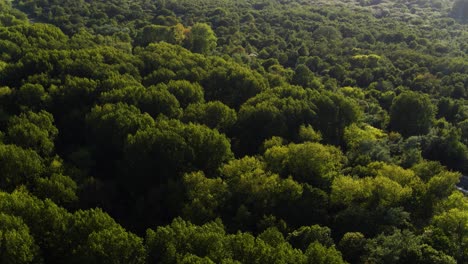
16	243
308	162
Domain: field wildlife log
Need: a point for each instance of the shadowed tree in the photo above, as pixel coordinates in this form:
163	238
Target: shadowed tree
202	38
411	114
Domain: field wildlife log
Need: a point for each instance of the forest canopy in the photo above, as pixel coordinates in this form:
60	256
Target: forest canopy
217	131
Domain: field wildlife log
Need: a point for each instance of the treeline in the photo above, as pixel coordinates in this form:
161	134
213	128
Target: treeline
232	132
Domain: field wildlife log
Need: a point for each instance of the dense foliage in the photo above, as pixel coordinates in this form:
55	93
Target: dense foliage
218	131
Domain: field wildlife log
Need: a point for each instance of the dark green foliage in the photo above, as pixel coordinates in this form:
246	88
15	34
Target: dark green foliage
108	128
17	244
306	235
186	92
157	33
33	130
412	114
213	114
304	77
32	95
19	166
177	147
59	188
98	239
443	143
280	131
232	84
181	241
404	247
154	100
201	39
334	113
276	112
352	246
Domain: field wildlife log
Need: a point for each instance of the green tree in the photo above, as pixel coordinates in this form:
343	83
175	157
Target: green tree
59	188
206	196
202	38
97	238
403	247
232	84
33	130
17	246
304	77
108	127
32	96
19	166
334	113
213	114
186	92
184	242
154	33
163	244
177	148
308	162
114	245
256	192
327	33
412	114
442	143
453	224
318	253
47	223
306	235
110	124
275	112
154	100
308	133
352	246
